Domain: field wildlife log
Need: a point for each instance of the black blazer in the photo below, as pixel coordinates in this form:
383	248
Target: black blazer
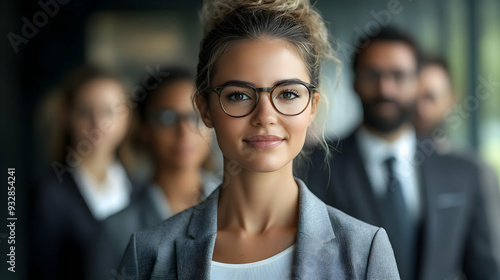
63	230
460	229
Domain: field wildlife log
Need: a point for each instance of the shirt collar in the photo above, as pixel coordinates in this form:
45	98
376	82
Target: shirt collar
375	149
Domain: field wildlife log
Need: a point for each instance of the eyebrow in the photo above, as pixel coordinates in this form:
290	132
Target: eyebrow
230	82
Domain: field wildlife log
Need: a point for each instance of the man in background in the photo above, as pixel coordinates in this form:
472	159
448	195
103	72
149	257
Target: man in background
435	101
436	211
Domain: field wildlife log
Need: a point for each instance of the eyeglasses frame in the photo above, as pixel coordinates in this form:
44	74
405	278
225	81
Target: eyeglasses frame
218	90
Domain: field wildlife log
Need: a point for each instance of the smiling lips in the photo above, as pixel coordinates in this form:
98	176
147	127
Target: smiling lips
264	141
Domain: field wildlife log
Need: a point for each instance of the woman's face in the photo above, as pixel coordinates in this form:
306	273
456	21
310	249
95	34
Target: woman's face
265	140
99	116
178	143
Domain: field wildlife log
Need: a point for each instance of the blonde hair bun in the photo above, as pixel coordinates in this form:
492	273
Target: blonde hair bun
215	12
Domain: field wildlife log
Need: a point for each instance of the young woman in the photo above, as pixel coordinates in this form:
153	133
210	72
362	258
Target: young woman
87	181
257	86
179	146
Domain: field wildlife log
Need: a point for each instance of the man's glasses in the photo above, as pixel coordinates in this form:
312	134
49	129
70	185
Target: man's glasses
169	118
239	99
400	77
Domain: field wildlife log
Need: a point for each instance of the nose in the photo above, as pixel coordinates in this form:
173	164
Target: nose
184	127
387	86
95	119
264	113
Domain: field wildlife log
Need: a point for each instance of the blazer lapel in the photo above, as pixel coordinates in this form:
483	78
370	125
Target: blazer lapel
357	186
194	252
313	232
73	186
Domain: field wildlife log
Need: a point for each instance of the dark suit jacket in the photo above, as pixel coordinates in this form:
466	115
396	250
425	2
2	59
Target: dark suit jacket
63	230
460	233
329	245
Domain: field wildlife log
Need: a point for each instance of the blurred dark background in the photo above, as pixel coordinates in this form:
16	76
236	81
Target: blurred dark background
131	36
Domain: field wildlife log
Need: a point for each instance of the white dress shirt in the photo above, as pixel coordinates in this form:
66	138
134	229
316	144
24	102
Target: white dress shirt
107	197
375	150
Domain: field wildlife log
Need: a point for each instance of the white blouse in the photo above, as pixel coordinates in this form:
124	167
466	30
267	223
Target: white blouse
278	266
107	197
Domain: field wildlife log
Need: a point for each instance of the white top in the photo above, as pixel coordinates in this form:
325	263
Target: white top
107	197
278	266
375	151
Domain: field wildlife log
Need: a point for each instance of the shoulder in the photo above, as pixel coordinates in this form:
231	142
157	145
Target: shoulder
155	247
350	224
154	250
54	194
128	216
355	233
52	184
344	227
366	247
457	160
460	172
166	231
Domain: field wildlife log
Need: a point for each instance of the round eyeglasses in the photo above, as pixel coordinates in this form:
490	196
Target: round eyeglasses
239	99
169	118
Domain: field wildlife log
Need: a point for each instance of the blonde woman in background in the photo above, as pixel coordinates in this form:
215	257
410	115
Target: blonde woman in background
87	182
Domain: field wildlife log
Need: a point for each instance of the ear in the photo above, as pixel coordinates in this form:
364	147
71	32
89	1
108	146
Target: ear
314	102
314	106
202	106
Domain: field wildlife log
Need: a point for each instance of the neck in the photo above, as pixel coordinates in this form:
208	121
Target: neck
255	202
178	184
389	136
96	164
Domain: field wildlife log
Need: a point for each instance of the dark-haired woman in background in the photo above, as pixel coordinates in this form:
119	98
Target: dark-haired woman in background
88	181
178	143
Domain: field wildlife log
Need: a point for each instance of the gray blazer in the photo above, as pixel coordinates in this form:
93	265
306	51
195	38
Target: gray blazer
330	245
116	230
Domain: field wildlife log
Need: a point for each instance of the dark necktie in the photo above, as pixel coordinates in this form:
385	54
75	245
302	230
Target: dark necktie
400	225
